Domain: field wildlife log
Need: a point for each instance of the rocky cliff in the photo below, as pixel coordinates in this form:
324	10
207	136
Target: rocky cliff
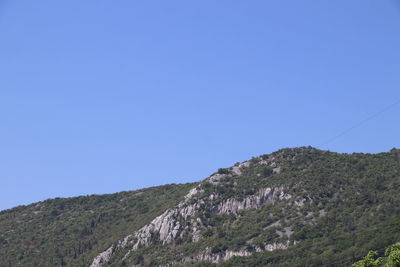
181	220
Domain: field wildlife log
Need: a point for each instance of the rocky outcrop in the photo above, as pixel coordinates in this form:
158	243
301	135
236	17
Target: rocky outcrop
287	231
207	255
183	220
103	257
165	227
264	195
220	256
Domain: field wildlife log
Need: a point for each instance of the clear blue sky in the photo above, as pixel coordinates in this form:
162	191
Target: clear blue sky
103	96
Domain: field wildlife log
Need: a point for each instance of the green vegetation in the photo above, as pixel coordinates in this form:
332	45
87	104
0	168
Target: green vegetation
72	231
391	258
341	207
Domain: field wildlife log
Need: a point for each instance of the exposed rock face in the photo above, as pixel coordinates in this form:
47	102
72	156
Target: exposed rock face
287	231
193	192
183	219
214	179
221	256
227	254
256	201
103	257
167	227
300	203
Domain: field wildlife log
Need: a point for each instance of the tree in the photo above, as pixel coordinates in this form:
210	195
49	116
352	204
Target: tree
393	255
392	258
369	260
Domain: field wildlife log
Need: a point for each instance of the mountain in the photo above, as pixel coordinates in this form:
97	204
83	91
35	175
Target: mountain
294	207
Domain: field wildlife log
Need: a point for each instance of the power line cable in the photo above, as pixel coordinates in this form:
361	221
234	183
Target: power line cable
344	132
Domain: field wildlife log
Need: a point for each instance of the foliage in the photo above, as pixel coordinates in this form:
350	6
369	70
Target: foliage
369	261
341	207
391	259
72	231
393	256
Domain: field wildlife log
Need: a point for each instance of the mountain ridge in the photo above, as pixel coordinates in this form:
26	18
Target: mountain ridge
257	210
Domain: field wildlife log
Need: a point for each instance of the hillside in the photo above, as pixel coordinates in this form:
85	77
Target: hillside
293	207
72	231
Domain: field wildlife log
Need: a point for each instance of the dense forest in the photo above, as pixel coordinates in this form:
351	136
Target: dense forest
293	207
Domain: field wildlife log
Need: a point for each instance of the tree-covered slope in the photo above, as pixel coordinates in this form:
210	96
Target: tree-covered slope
72	231
294	207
